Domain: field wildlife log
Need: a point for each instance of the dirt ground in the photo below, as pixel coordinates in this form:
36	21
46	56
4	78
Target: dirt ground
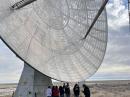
106	89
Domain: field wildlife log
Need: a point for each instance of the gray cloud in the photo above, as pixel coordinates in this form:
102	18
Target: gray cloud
10	66
116	64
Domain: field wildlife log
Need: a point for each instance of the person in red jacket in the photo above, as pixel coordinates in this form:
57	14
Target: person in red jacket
53	91
56	92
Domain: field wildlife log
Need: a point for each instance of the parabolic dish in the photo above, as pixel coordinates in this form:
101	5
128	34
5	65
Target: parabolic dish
48	35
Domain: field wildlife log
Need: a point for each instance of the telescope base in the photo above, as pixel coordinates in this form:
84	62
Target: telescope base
32	83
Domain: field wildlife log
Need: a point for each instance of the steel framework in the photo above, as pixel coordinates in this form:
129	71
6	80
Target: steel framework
129	11
48	35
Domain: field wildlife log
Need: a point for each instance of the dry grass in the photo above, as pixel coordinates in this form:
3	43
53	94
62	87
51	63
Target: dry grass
120	89
6	96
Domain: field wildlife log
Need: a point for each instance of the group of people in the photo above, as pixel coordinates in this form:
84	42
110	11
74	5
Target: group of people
64	90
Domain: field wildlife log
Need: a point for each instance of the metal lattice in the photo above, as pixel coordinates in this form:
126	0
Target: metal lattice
48	35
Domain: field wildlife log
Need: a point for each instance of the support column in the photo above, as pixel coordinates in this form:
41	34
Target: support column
32	83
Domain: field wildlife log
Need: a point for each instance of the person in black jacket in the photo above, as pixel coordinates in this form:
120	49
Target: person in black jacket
86	91
61	89
67	90
76	90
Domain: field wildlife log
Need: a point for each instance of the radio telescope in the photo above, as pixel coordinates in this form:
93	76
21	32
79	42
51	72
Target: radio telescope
60	39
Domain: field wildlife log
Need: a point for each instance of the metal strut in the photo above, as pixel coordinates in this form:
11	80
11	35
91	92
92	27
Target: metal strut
129	12
96	17
21	4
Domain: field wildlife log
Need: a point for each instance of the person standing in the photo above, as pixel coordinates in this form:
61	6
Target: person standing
49	91
86	91
61	91
56	91
67	90
64	86
76	90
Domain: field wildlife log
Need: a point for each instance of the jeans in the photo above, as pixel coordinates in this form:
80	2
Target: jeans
62	95
67	95
76	95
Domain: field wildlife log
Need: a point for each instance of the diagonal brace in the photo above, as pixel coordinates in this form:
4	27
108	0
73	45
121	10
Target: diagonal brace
96	17
21	4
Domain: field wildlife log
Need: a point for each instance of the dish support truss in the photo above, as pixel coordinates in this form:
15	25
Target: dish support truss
129	12
32	83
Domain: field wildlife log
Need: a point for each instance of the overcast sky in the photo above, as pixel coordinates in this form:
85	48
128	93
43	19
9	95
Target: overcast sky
116	64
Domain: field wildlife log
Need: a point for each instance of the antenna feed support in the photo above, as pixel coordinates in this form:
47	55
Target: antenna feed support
21	4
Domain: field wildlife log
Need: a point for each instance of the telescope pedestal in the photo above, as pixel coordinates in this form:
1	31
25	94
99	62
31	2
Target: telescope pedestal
32	83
